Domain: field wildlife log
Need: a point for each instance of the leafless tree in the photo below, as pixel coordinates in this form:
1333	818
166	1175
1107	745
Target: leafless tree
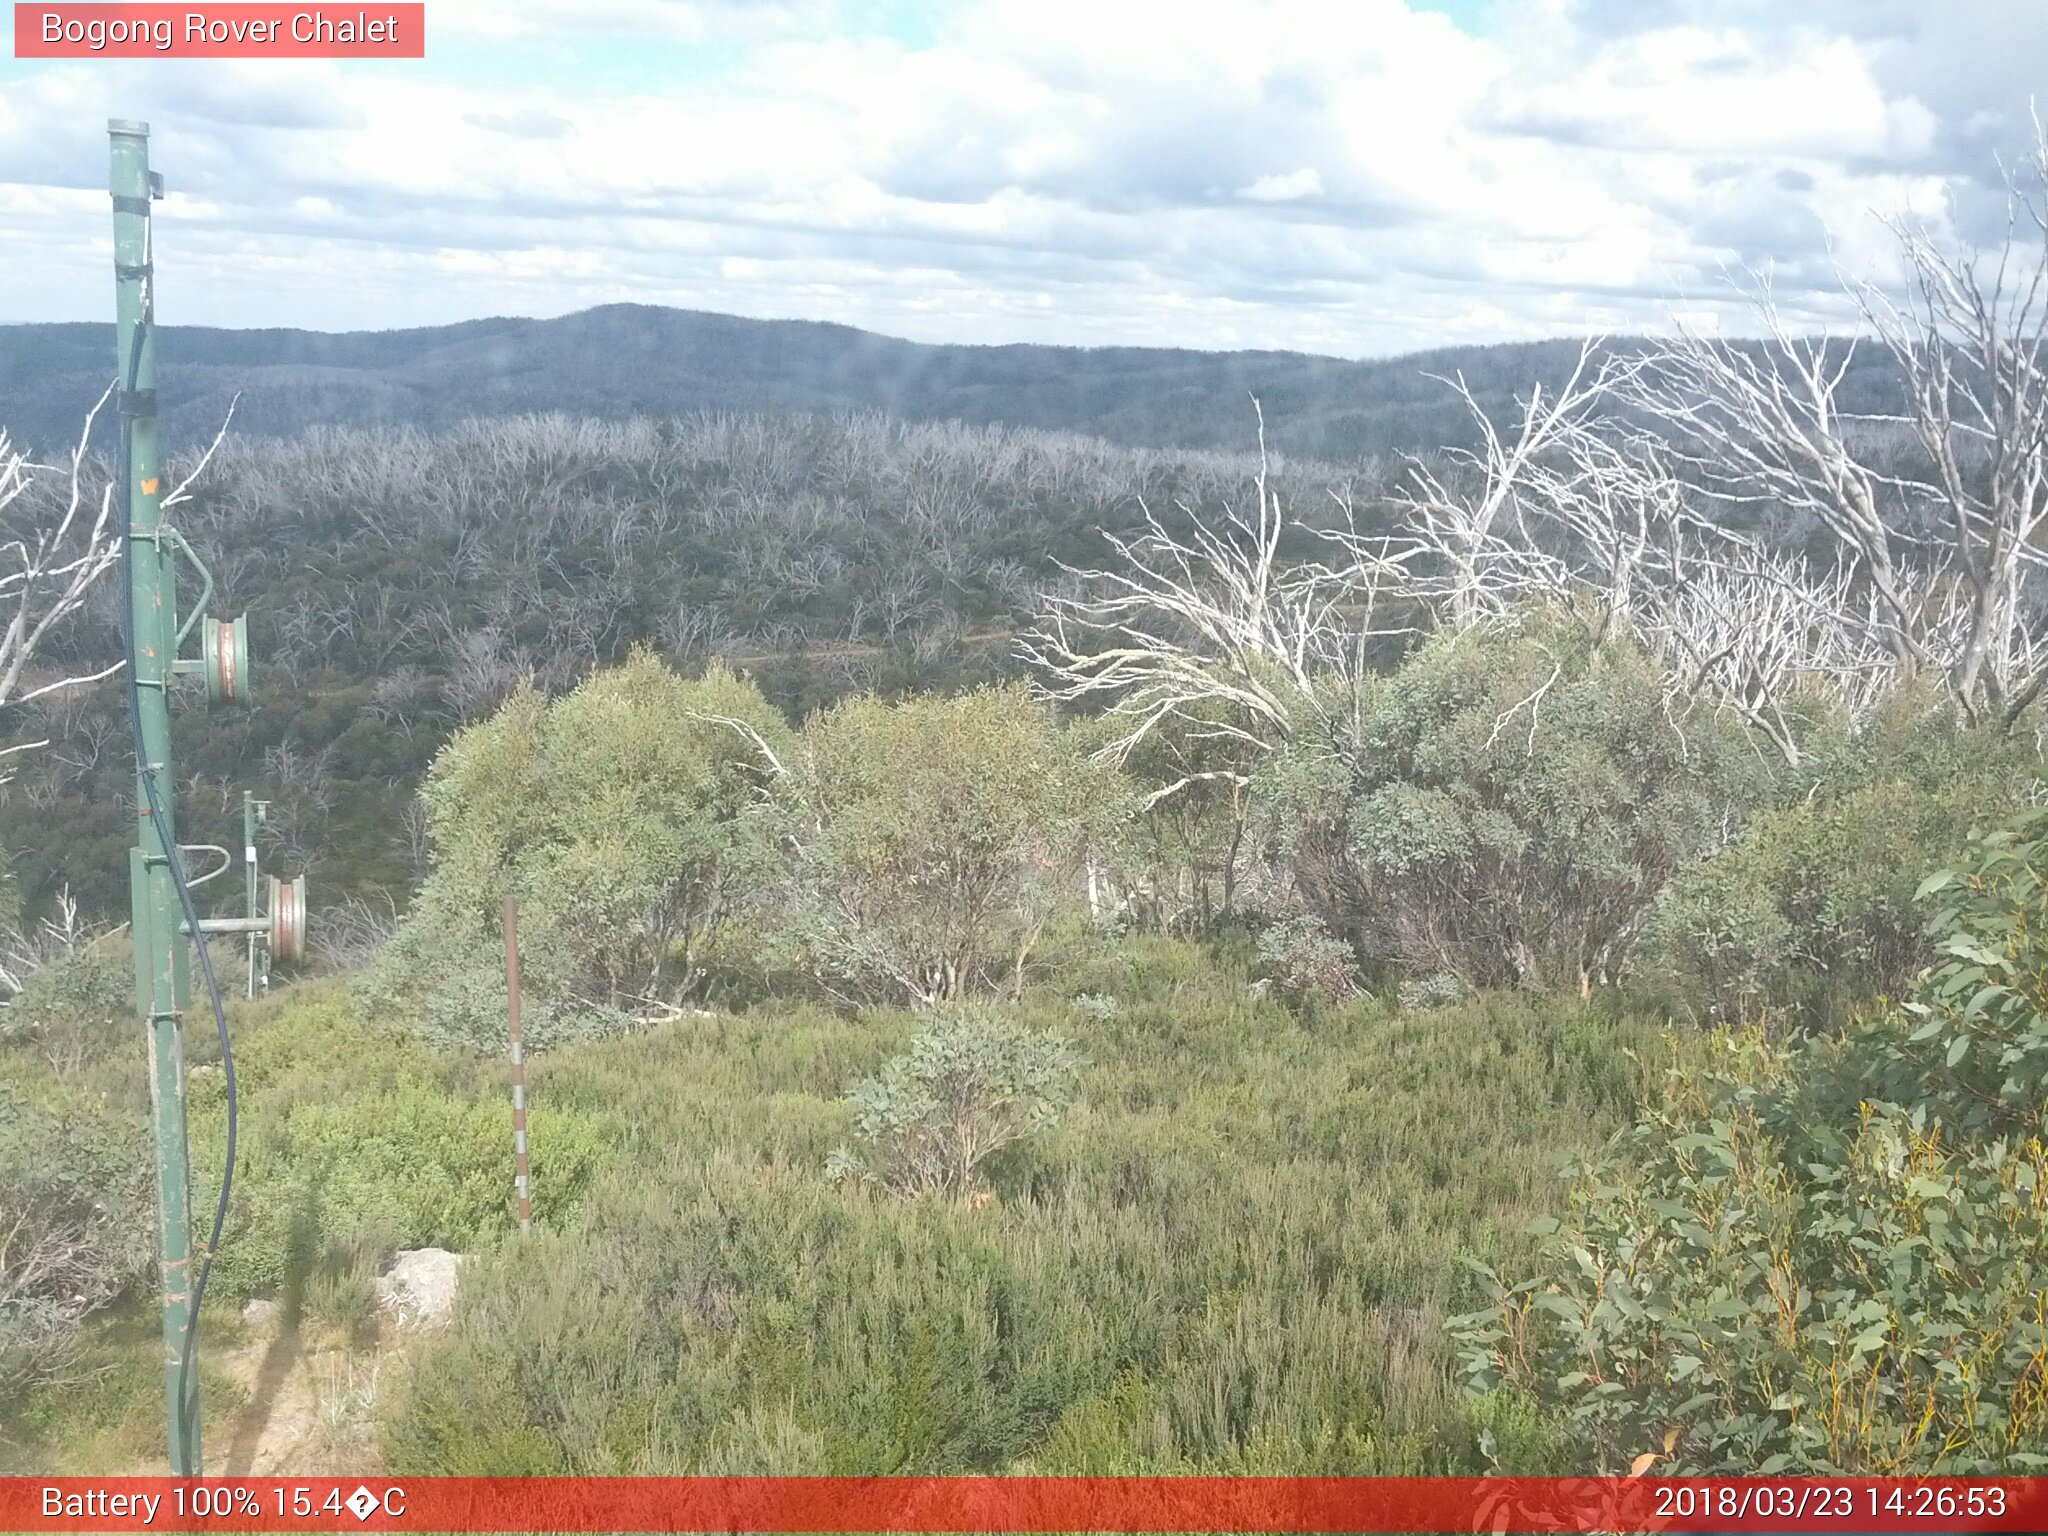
416	830
1615	492
1600	513
53	548
400	694
1465	531
691	633
1216	629
483	672
352	932
1941	563
24	952
1969	342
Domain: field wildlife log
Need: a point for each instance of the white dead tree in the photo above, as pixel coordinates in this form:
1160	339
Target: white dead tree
1216	629
1616	491
1940	556
57	540
1603	516
1478	542
1969	344
54	545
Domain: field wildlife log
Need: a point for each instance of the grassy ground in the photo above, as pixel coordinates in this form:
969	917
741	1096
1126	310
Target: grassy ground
1234	1255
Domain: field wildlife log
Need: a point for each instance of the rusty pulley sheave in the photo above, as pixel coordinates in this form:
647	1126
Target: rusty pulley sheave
224	657
288	919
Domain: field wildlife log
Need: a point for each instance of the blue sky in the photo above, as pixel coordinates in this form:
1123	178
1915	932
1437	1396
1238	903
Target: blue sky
1359	178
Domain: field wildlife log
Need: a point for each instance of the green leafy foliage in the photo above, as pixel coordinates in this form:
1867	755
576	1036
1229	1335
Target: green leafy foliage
1976	1054
1187	842
76	1007
358	1141
1824	1254
1811	909
629	821
1506	808
1233	1258
75	1224
355	1140
972	1083
937	837
1305	960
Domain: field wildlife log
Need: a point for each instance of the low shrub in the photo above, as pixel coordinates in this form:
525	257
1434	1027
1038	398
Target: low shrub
77	1007
355	1142
1811	910
76	1224
1096	1007
972	1083
1304	960
1233	1258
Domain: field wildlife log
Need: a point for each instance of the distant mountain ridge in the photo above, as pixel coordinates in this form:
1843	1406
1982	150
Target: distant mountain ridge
640	360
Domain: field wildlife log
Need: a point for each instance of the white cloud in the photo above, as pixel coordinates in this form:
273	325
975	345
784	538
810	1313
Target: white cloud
1288	188
1354	178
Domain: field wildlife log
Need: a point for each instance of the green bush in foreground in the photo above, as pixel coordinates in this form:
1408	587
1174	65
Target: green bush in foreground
936	838
357	1142
626	816
1504	808
76	1225
77	1210
972	1083
1811	911
1234	1257
76	1009
1823	1255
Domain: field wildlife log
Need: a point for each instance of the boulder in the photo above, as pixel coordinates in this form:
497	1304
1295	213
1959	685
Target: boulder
418	1291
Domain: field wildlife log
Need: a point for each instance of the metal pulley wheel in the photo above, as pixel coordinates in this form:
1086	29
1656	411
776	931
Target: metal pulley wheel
288	919
224	649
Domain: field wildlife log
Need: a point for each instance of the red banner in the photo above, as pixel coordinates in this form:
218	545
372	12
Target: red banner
369	29
1035	1504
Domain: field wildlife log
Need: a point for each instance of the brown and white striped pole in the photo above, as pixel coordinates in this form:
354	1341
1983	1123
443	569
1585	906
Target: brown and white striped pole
522	1185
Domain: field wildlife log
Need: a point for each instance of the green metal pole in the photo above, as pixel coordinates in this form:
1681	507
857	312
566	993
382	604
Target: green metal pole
158	947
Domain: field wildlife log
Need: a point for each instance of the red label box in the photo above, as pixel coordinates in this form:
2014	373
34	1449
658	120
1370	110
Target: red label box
352	29
383	1506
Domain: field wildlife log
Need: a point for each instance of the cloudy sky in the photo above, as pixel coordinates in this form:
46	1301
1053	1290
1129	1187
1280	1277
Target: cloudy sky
1355	177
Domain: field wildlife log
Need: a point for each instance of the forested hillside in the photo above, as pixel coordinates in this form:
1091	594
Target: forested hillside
634	360
399	583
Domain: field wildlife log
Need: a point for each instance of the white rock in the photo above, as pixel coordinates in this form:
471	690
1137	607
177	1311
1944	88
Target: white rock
419	1288
261	1314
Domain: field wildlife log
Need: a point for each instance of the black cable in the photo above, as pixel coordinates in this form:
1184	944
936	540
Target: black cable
146	772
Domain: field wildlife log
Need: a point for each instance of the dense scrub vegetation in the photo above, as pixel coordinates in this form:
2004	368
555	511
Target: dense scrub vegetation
1823	1253
1104	1200
1232	1253
1147	1063
400	585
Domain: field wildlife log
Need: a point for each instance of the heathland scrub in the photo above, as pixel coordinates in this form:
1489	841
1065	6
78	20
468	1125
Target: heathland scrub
1234	1253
